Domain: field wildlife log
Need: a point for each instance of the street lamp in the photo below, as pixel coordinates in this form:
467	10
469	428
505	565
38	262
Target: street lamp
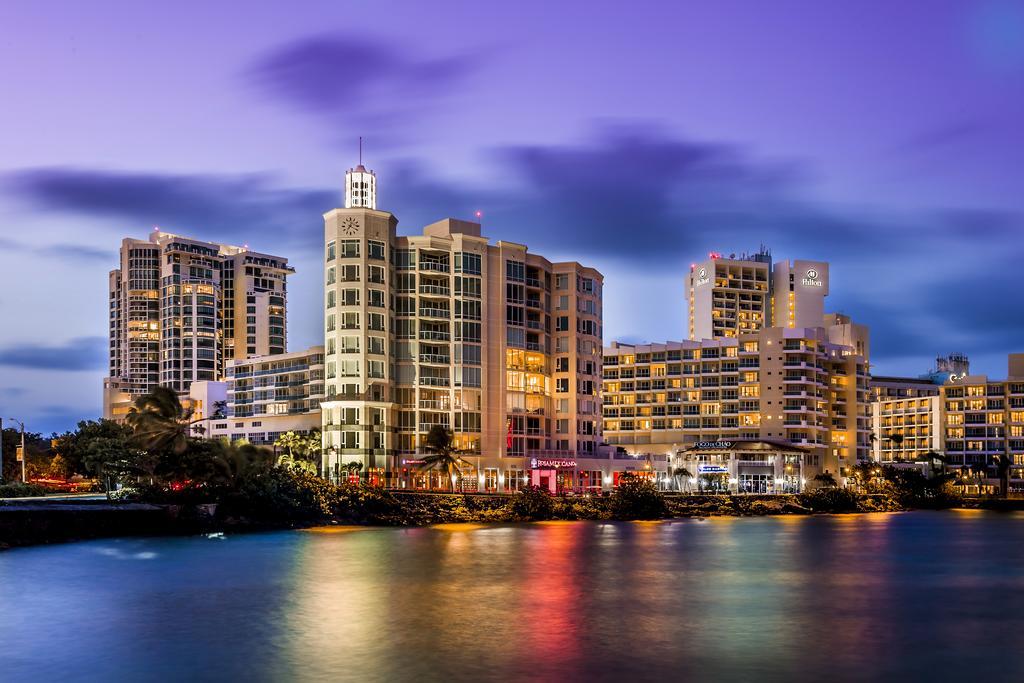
24	455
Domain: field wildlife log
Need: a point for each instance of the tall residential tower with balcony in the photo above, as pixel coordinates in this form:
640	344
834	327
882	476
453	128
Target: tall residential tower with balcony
491	341
180	308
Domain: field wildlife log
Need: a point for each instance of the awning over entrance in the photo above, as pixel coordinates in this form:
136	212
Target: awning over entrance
741	446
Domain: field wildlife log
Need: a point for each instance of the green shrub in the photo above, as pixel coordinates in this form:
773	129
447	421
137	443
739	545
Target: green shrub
532	504
830	500
17	489
637	498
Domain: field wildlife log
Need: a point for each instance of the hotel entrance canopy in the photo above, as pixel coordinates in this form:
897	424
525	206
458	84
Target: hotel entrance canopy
746	465
754	447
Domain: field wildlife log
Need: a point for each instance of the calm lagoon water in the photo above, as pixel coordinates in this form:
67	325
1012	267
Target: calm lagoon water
916	596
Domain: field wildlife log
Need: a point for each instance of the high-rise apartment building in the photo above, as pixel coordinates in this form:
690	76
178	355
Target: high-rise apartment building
729	296
180	308
778	385
495	343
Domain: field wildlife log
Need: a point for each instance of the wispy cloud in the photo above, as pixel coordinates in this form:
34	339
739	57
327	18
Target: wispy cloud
372	83
72	252
82	353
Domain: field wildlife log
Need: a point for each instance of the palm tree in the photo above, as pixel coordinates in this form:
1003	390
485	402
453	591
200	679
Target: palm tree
681	474
353	467
290	442
444	456
826	479
1003	462
159	421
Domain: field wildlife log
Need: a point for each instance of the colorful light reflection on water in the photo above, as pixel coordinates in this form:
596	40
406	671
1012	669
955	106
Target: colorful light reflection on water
895	597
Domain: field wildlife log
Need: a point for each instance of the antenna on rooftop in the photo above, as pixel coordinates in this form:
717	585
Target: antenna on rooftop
360	150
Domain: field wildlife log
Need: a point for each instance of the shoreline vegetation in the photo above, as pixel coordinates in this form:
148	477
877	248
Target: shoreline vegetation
285	497
163	480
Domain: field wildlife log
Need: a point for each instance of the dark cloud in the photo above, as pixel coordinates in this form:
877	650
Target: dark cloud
634	197
926	283
634	192
83	353
239	208
372	83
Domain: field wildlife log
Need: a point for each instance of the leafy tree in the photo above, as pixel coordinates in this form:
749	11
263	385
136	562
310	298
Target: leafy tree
231	463
37	457
301	450
637	498
59	468
107	450
443	455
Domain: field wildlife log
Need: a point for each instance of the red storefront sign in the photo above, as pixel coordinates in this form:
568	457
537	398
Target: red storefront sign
553	464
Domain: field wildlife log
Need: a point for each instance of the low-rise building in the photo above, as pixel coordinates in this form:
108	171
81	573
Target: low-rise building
270	395
788	385
742	466
983	419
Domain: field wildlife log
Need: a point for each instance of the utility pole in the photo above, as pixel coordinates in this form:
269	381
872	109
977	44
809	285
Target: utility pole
1	450
24	455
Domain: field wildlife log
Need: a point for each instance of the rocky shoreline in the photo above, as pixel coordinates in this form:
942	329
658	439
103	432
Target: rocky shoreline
41	522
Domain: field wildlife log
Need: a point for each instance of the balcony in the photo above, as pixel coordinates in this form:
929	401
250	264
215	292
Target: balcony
434	266
434	335
434	313
435	290
428	404
434	358
435	381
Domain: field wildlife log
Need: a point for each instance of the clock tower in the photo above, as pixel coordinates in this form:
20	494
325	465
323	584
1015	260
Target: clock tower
358	415
360	185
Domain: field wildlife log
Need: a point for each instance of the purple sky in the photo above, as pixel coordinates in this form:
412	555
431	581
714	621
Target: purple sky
884	137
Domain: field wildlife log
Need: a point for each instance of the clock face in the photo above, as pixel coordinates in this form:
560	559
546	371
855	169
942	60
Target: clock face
350	226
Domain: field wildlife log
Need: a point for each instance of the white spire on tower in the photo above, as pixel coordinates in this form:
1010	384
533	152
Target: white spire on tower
360	185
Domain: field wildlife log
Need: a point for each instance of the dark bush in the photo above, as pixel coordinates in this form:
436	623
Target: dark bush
830	500
637	498
531	504
19	490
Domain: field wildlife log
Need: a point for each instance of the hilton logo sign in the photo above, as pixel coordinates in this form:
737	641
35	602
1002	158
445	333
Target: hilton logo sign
702	277
811	279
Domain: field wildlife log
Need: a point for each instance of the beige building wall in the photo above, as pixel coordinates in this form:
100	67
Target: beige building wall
728	296
983	418
799	289
472	341
906	429
359	411
777	384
